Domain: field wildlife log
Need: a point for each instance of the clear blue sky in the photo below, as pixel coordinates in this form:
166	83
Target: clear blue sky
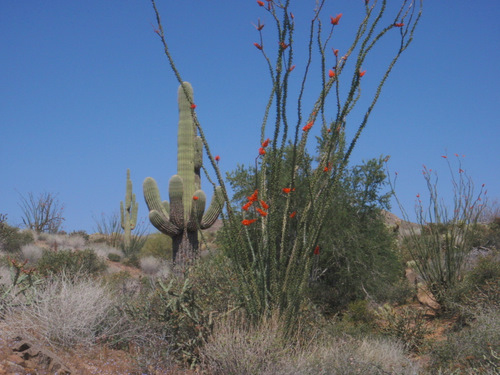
86	92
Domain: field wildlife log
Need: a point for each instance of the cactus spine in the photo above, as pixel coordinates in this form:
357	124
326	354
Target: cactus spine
185	215
128	212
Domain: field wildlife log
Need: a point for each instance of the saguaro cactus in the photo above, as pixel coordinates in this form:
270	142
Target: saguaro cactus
185	215
128	212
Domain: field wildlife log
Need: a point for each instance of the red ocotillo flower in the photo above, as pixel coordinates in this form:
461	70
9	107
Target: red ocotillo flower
292	215
266	143
264	205
247	206
308	126
362	73
291	68
284	45
335	20
331	73
262	151
261	212
217	158
193	106
287	190
261	3
399	24
316	250
253	197
258	46
248	222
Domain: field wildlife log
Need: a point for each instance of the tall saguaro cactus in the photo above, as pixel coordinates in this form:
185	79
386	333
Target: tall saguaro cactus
128	212
185	215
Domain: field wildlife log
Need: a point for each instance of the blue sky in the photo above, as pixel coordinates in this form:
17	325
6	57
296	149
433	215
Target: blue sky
86	92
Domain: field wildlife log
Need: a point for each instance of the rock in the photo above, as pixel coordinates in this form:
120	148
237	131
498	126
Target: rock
31	353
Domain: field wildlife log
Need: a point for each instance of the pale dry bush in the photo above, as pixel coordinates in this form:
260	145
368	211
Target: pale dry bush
102	250
63	241
31	252
65	312
235	348
5	278
153	266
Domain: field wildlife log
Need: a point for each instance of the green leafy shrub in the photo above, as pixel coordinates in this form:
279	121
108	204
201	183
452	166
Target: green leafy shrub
12	239
472	350
114	257
407	324
157	245
84	262
359	312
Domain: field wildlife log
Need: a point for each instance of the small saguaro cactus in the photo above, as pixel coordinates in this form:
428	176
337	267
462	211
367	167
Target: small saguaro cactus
128	212
185	215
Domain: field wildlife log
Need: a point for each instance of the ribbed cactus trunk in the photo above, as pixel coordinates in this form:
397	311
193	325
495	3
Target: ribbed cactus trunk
185	215
128	213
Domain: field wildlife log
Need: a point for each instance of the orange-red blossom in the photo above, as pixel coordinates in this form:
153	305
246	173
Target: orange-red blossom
248	222
288	190
308	126
335	20
253	197
261	212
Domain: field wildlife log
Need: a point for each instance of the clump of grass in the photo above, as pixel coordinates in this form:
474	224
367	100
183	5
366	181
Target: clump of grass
64	313
239	348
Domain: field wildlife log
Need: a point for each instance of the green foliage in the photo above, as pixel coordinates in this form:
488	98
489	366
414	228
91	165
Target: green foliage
157	245
357	252
407	324
12	239
359	312
114	257
72	263
472	350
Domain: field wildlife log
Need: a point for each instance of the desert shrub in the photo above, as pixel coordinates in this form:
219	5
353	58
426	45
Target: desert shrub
407	324
114	257
487	268
157	245
237	347
58	241
31	252
80	233
357	253
447	235
103	250
70	262
182	312
12	239
42	213
66	312
359	312
154	266
472	350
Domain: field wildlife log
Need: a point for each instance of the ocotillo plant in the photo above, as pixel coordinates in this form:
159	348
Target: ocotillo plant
128	212
278	235
185	215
